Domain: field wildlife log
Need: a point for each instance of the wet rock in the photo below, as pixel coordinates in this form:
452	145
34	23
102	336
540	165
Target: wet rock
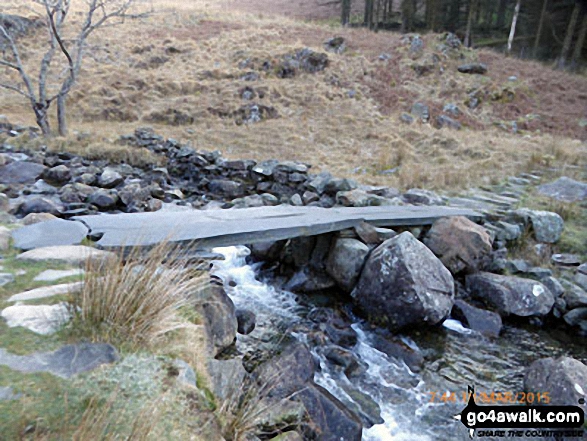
336	45
547	226
565	189
404	284
65	362
364	407
418	196
342	357
219	317
267	251
246	320
394	347
110	178
345	262
308	280
39	205
477	319
21	172
289	372
329	419
57	175
563	378
473	68
511	295
460	244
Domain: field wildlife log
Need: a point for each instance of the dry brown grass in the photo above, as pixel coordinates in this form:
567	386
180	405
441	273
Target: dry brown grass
137	299
186	58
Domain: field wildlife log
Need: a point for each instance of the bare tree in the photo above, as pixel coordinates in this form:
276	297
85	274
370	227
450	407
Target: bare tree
562	60
580	42
38	88
513	28
540	26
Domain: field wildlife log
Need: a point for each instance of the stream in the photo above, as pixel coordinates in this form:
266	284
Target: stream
415	406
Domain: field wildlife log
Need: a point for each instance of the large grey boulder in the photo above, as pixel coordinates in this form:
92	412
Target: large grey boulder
547	226
477	319
460	244
110	178
403	284
565	189
21	172
219	317
511	295
563	378
345	262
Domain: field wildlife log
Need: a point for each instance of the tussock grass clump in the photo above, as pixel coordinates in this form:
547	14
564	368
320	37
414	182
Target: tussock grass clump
135	299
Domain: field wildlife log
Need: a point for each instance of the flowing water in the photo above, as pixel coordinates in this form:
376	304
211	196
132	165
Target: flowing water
414	406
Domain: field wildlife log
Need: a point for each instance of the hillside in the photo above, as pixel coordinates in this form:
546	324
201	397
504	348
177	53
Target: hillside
193	72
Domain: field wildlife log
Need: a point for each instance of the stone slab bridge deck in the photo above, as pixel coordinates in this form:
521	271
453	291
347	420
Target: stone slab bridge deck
214	228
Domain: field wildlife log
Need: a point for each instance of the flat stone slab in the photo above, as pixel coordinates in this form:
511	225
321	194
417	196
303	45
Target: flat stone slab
565	189
68	254
216	228
64	362
20	172
52	275
47	291
41	319
51	233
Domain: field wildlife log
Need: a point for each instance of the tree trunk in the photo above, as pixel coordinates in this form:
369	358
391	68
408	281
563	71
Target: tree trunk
539	31
368	13
513	28
346	12
500	23
62	115
470	16
453	16
407	16
568	37
41	116
576	59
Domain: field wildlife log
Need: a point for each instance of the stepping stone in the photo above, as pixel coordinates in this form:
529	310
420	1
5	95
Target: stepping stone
47	291
52	275
7	394
48	234
68	254
41	319
65	362
6	278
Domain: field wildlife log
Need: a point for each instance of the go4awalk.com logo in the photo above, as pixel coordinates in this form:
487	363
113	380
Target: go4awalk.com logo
522	421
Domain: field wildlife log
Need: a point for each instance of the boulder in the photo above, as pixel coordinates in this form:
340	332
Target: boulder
563	378
359	198
577	317
473	68
477	319
38	205
345	262
110	178
565	189
395	348
511	295
21	172
104	199
581	280
418	196
57	175
51	233
448	122
421	112
336	45
308	280
246	321
403	284
226	188
226	377
328	418
35	218
40	319
219	317
547	226
460	244
574	296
